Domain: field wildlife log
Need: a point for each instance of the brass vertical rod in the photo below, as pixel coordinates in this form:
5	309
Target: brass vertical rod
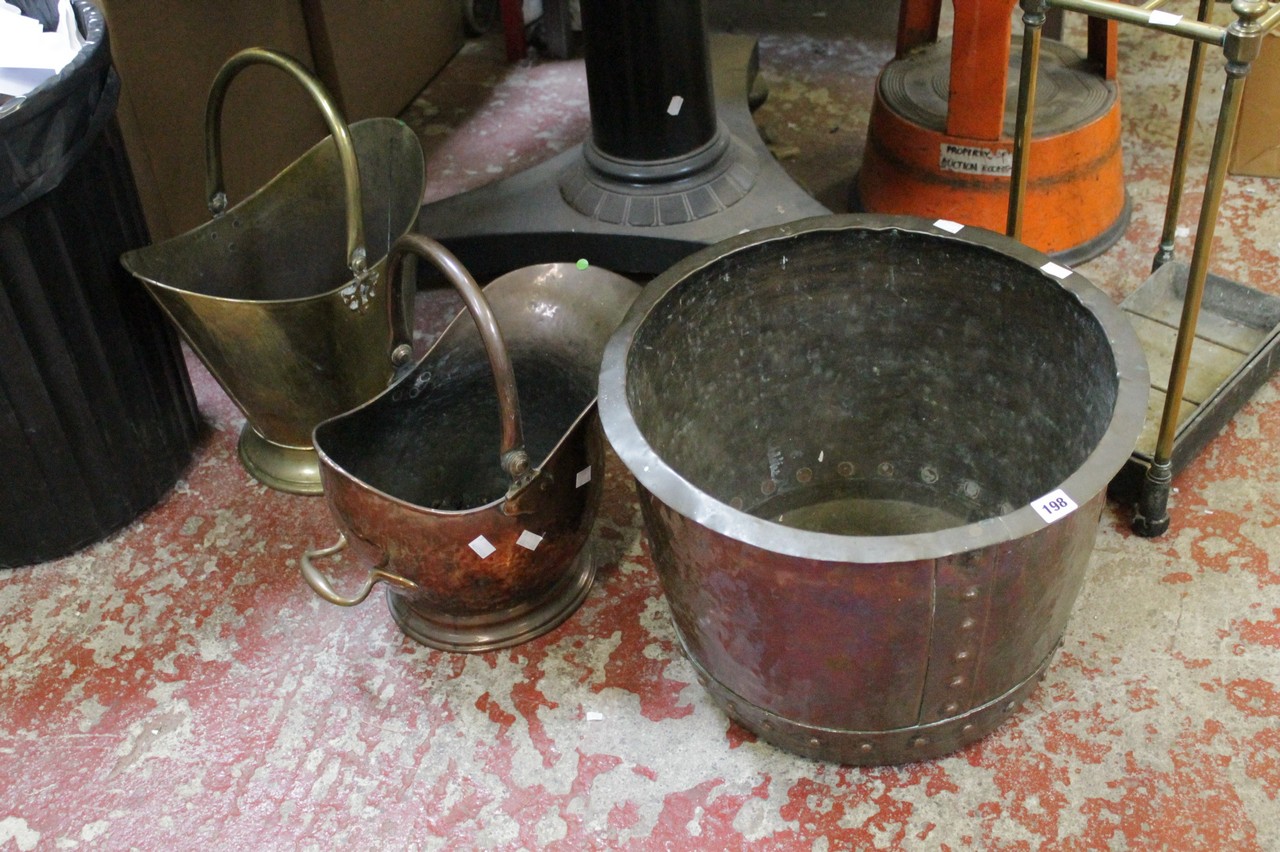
1186	128
1227	119
1241	47
1033	17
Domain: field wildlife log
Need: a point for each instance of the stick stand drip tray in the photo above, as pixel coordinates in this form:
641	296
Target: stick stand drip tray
1235	352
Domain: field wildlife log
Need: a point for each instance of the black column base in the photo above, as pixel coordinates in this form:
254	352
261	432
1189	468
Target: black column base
537	216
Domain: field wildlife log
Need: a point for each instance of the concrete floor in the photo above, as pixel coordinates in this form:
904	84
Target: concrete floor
179	686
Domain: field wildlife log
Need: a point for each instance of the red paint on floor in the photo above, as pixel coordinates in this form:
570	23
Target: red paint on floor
179	686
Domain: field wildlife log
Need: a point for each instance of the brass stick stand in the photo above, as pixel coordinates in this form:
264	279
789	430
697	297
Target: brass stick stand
1149	475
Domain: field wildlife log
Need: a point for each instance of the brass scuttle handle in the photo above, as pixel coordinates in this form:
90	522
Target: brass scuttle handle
215	189
320	584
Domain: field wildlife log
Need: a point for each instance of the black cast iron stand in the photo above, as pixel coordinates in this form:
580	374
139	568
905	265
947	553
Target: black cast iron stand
674	161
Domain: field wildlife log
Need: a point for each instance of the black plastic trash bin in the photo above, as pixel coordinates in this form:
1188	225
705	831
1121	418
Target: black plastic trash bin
97	417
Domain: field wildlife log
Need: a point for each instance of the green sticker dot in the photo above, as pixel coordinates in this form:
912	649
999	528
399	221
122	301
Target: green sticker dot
582	264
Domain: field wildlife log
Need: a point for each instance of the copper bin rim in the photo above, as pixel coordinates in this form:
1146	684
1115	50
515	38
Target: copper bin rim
660	478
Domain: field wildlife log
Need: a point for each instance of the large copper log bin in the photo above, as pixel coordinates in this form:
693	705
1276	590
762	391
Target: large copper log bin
872	453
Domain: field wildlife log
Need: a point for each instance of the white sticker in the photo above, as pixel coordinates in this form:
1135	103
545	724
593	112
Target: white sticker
974	160
1164	19
1054	506
584	476
948	226
529	540
673	108
593	716
482	547
1055	270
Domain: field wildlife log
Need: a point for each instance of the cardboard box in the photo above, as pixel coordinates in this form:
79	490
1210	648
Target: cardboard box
167	53
374	57
1257	145
377	55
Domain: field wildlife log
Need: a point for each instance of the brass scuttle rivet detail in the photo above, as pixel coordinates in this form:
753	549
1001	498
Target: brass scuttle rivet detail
969	623
733	708
920	741
966	728
702	681
1008	708
971	593
767	725
961	656
845	469
768	486
814	742
804	474
866	748
957	682
952	707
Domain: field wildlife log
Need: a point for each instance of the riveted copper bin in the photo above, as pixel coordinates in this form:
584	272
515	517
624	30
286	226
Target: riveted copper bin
845	432
471	500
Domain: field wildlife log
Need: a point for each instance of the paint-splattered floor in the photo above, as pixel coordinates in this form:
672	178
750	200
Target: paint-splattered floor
178	686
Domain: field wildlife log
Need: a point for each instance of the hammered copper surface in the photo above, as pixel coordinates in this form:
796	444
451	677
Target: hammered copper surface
416	481
839	429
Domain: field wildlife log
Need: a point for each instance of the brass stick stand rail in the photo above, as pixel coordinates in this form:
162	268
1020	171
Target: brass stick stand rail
1241	42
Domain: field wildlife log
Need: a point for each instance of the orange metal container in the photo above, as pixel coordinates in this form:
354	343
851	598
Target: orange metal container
951	157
